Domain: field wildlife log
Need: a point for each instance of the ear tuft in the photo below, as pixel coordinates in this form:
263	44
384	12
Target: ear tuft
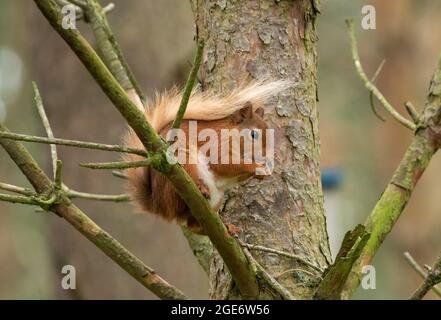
260	112
243	114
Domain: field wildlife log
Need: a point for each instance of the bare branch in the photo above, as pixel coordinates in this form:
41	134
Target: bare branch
432	279
120	174
289	271
57	164
46	125
72	143
111	52
371	94
19	199
273	283
412	112
374	110
282	253
63	207
72	194
117	165
108	8
58	183
15	189
78	9
79	3
378	71
189	85
393	200
420	271
369	85
412	262
99	197
228	248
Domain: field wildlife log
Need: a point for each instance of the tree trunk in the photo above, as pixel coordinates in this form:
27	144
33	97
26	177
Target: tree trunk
268	39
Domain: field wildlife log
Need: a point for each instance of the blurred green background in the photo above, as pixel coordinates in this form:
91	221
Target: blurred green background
156	37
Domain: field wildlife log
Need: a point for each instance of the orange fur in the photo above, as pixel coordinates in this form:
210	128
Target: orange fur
154	193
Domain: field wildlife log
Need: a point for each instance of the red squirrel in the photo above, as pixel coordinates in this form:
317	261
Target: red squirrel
241	109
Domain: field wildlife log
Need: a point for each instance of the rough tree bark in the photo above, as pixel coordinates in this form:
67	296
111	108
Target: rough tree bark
270	39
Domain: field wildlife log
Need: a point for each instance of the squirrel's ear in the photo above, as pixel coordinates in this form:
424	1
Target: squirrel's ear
245	113
260	112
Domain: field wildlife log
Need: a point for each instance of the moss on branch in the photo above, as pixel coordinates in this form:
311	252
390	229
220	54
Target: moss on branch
62	206
335	276
226	245
393	200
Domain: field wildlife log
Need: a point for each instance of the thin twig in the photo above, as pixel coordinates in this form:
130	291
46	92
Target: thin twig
282	253
117	165
80	221
378	71
369	85
58	183
19	199
284	293
189	85
295	270
72	143
79	3
40	107
108	8
415	264
371	94
78	8
374	110
73	194
57	165
120	174
431	278
230	251
412	112
420	270
396	195
110	49
15	189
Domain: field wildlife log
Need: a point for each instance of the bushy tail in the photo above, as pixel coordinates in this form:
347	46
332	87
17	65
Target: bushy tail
207	106
139	182
202	106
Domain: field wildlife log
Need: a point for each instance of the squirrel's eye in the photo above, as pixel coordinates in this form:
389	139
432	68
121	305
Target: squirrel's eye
254	134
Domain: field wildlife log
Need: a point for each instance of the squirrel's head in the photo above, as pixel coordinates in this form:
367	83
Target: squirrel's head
246	144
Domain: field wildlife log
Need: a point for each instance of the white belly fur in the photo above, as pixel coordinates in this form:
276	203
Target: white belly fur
207	176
